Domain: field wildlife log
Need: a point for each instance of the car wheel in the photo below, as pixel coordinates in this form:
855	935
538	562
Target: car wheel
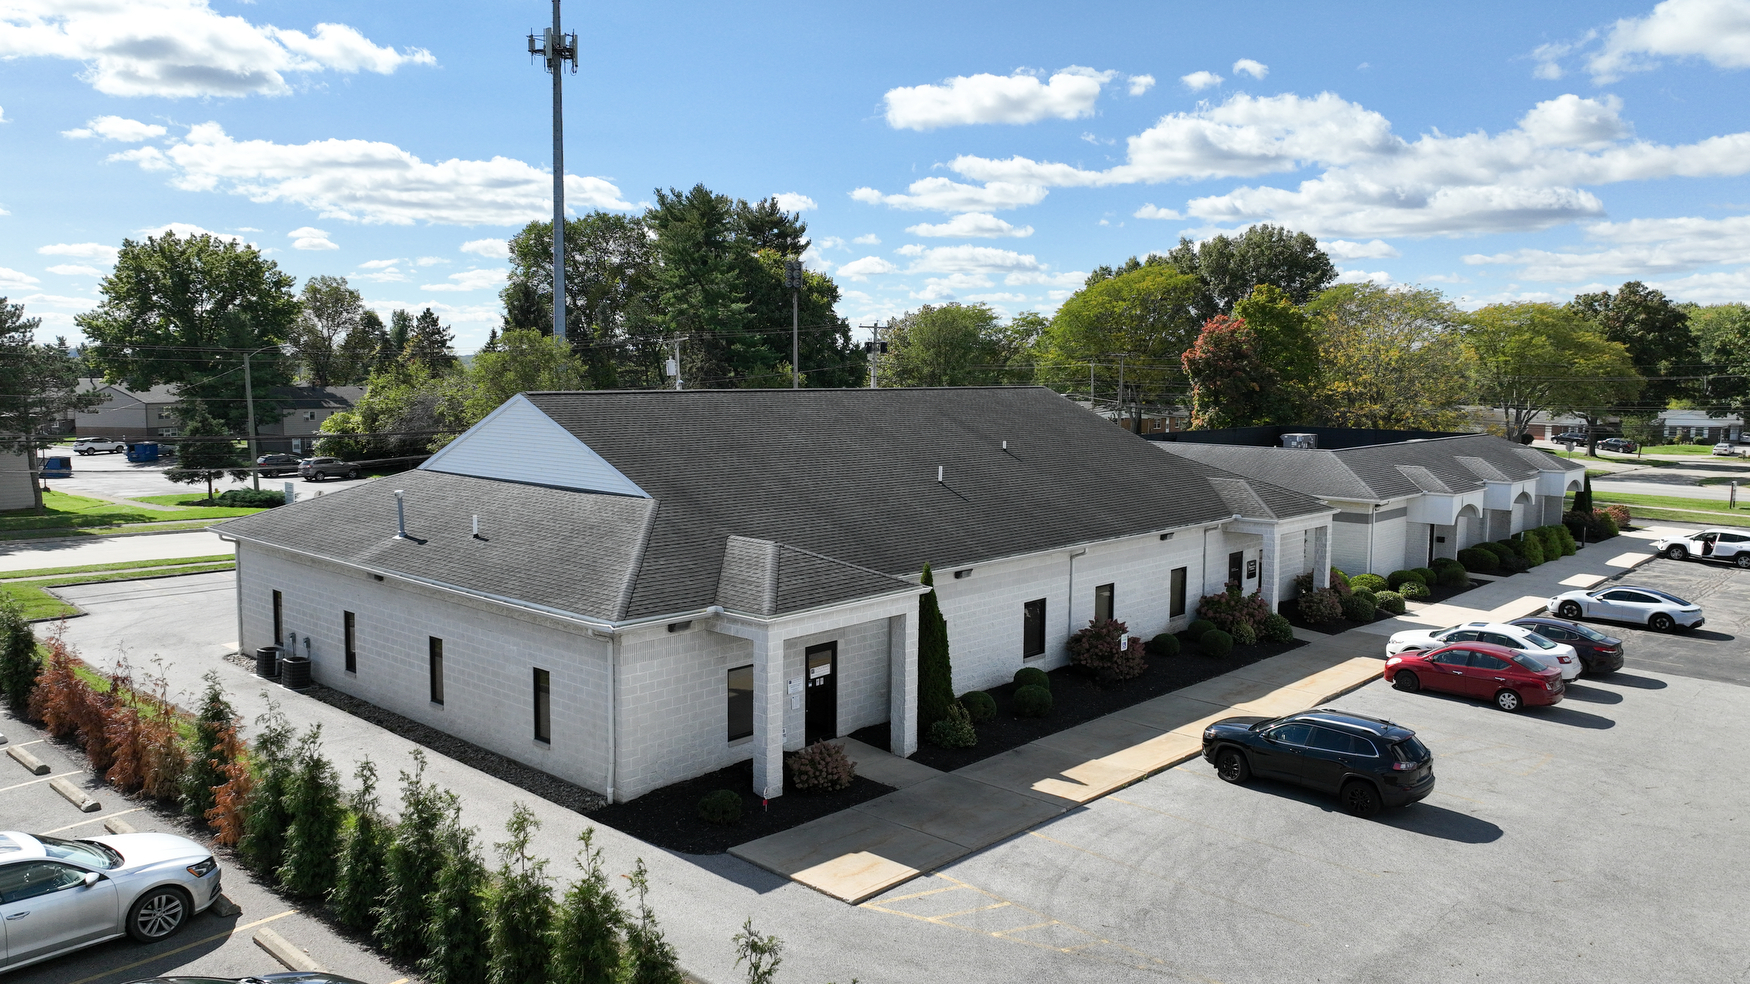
1676	552
1406	681
1508	700
1660	622
1230	765
1742	560
158	914
353	473
1360	798
1569	609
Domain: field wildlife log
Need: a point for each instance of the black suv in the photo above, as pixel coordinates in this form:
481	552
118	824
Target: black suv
1368	762
270	465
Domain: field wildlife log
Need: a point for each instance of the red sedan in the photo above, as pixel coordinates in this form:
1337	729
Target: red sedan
1478	669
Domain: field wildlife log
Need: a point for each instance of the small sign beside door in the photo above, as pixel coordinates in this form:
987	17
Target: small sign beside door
1251	570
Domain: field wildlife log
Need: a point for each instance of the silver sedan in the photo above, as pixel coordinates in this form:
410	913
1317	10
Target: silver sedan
60	895
1657	610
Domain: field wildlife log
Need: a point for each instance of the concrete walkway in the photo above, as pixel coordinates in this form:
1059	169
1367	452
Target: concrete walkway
24	555
861	852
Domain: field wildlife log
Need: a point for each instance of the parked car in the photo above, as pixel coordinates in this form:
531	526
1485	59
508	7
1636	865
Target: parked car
1621	445
1557	654
59	895
270	465
1599	653
1651	607
1505	676
1571	437
1725	449
285	977
318	469
95	445
1729	545
1369	762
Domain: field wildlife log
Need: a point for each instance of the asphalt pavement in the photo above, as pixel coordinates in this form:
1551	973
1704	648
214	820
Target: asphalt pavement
114	475
1714	652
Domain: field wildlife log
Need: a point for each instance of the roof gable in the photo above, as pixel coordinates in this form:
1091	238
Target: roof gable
519	443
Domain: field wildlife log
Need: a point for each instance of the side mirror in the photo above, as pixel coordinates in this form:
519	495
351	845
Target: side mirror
92	878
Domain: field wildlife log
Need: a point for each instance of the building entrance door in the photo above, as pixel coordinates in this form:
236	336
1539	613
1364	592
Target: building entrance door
1236	567
821	719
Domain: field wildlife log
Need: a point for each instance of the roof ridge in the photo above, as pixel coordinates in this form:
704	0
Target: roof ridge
636	566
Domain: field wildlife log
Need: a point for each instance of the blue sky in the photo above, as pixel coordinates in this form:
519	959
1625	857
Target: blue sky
973	152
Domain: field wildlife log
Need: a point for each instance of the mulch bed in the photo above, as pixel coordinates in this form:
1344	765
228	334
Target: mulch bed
1291	610
1077	698
669	817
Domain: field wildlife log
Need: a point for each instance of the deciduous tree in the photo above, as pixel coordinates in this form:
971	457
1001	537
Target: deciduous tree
1230	266
1232	384
1528	359
39	385
1148	314
1656	333
331	313
1390	357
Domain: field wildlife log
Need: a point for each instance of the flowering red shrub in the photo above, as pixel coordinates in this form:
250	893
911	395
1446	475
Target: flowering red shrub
1229	608
1099	646
822	767
1320	606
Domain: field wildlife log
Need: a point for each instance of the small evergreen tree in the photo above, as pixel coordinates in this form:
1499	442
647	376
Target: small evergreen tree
455	930
266	818
412	864
206	450
1583	498
318	819
652	958
206	756
19	664
759	952
522	908
587	929
935	672
359	880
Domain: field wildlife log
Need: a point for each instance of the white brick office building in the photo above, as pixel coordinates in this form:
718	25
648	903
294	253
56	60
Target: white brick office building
664	584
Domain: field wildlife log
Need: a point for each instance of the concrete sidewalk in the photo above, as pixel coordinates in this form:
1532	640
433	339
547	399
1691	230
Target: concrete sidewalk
861	852
23	555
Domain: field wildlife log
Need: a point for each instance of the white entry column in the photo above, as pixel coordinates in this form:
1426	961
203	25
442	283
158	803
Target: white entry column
768	714
902	684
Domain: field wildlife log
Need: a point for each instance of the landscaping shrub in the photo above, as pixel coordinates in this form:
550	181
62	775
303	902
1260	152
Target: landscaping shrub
518	943
1199	626
1165	644
955	730
1244	634
250	499
1547	539
1513	563
1441	563
1453	576
1481	561
358	879
412	864
588	927
314	838
1099	646
231	799
1032	676
1531	548
455	932
19	664
1340	582
1131	663
823	766
1230	608
265	816
935	671
1397	579
1391	601
1372	582
650	958
1277	628
1215	643
1368	593
1360	609
1415	591
59	693
1429	577
1607	524
979	705
1303	584
1513	547
1496	550
1618	514
206	765
1564	538
721	807
1320	606
1032	701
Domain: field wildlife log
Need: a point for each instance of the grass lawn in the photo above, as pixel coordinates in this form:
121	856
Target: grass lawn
1666	502
38	603
1703	449
125	565
65	511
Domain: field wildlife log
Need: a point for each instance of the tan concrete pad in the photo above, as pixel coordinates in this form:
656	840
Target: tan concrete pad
962	811
1630	559
1101	736
1228	689
1160	753
1037	769
1173	712
822	842
855	877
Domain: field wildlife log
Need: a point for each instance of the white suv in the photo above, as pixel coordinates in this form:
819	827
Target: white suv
1731	545
92	445
1558	655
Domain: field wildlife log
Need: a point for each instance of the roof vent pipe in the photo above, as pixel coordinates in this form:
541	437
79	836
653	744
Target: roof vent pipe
1005	445
476	526
400	516
938	474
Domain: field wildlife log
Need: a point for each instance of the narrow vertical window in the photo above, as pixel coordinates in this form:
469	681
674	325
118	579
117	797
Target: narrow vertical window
740	703
279	619
437	669
349	629
543	707
1177	603
1103	603
1033	629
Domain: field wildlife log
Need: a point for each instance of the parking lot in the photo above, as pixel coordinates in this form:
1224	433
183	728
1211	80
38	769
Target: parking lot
1720	649
115	475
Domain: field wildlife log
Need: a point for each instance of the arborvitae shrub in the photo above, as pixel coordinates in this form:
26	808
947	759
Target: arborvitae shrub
206	765
1032	701
1032	676
359	878
589	923
455	928
521	909
652	959
979	705
412	864
314	839
721	807
935	670
19	664
266	818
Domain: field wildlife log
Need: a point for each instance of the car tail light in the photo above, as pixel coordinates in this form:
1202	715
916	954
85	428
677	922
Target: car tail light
1405	766
1565	659
203	868
1555	684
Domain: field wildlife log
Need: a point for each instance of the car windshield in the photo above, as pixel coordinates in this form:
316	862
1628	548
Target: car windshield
1531	663
84	852
1539	641
1410	750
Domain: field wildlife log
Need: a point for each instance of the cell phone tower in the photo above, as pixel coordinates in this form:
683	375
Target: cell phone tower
556	49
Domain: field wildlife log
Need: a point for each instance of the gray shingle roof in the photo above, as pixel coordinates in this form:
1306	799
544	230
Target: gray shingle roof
840	484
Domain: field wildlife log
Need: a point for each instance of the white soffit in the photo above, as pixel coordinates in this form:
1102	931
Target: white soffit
519	443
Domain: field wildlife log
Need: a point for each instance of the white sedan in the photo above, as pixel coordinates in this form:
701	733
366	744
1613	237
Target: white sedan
1559	655
1651	607
60	895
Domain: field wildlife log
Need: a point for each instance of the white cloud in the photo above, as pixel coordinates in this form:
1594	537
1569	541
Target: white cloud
969	259
310	238
1198	81
426	261
1717	31
1246	66
1140	84
84	251
1072	279
999	297
389	274
188	230
1446	278
183	48
379	264
1342	249
1636	249
492	249
791	201
866	267
469	280
1363	277
984	98
1152	211
946	195
15	278
118	128
869	239
829	242
75	270
368	181
978	225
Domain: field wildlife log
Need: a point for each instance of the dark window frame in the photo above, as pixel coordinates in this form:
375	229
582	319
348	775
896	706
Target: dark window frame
279	617
543	706
1033	628
1176	582
1106	595
736	698
349	635
435	668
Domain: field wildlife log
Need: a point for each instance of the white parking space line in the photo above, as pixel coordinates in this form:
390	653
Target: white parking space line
33	782
186	946
87	823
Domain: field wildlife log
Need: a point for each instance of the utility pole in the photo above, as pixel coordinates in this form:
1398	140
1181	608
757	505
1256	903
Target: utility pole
556	49
674	364
793	280
874	349
249	398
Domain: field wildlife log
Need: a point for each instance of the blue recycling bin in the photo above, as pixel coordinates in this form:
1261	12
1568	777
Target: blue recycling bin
143	451
57	468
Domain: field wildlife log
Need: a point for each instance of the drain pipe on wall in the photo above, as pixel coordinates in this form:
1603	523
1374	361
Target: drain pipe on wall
1069	604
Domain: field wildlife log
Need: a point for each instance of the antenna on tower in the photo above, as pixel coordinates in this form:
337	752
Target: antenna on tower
556	49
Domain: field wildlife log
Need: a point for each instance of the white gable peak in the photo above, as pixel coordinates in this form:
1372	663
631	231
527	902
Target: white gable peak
519	443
